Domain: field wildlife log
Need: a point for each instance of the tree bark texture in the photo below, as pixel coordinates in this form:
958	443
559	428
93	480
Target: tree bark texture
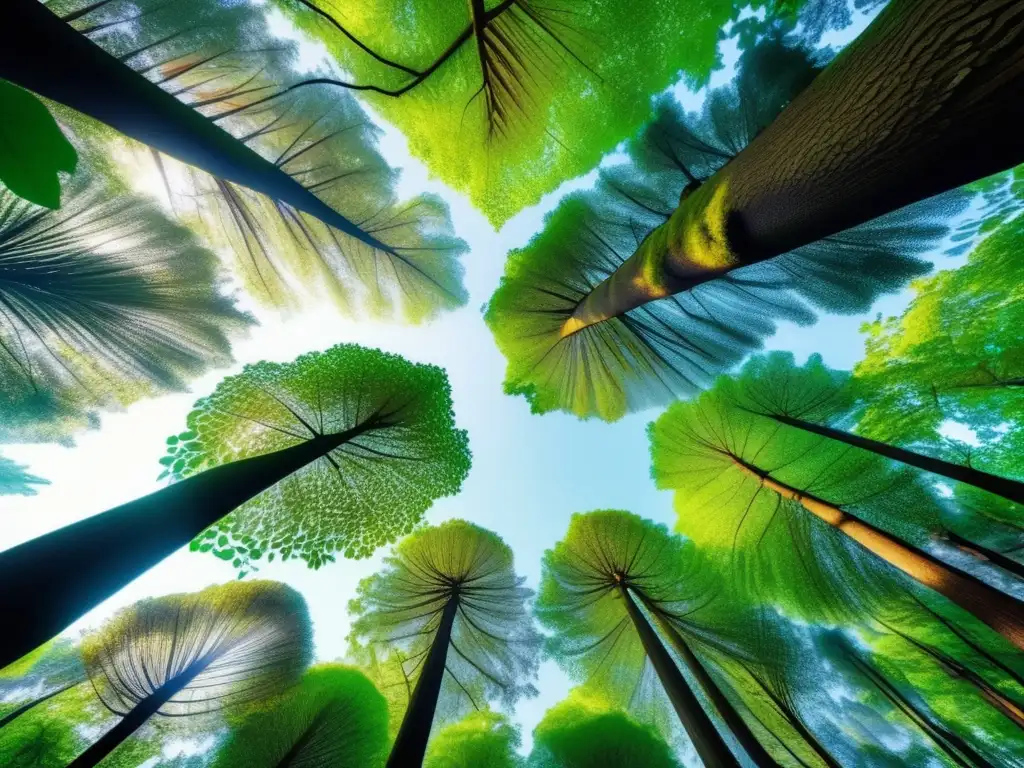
925	100
88	79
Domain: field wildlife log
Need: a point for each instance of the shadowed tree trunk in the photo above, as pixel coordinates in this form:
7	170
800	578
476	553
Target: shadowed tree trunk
72	570
34	703
925	100
91	81
952	745
1000	611
139	714
729	714
705	738
1001	486
411	742
983	553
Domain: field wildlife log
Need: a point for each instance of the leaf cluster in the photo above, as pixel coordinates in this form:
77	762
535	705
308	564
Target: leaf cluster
404	453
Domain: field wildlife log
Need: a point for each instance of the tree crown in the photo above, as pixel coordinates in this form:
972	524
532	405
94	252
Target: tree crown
366	492
229	644
492	651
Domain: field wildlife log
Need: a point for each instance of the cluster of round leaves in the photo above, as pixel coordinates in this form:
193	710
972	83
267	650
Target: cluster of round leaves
368	491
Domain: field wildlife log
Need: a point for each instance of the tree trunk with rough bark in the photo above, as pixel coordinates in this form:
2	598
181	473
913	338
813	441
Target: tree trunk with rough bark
1000	611
710	746
73	569
925	100
414	733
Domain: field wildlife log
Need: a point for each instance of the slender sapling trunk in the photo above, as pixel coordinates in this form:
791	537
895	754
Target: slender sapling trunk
139	714
1001	486
16	713
729	714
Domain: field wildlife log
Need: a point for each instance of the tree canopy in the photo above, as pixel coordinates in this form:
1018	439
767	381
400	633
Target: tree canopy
104	301
16	480
368	491
290	179
563	356
334	718
585	730
492	651
506	100
236	643
482	738
954	354
700	450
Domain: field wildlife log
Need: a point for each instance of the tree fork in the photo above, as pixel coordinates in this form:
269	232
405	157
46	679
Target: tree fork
1000	611
729	714
1012	490
925	100
705	738
411	742
139	714
71	570
91	81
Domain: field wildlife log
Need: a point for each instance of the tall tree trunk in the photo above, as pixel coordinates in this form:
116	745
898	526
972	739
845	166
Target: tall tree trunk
925	100
980	552
1000	611
952	745
1012	490
90	80
729	714
710	746
139	714
73	569
16	713
411	743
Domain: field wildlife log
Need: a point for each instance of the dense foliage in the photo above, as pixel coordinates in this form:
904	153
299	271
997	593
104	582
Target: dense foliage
369	491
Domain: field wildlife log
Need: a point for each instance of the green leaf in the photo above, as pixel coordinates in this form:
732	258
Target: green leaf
32	148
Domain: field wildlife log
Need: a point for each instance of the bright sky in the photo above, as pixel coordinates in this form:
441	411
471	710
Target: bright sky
529	473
